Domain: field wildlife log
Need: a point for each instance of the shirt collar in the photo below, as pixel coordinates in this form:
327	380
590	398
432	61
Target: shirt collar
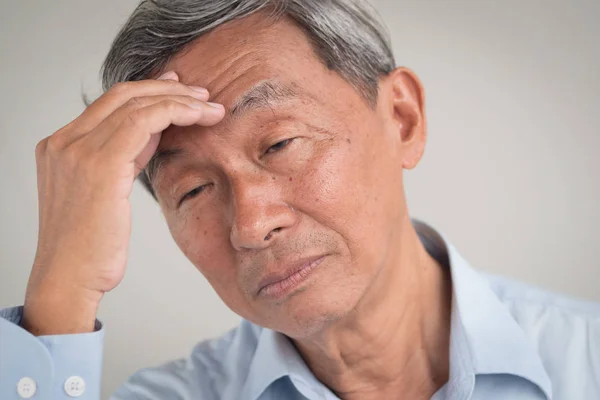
484	339
276	357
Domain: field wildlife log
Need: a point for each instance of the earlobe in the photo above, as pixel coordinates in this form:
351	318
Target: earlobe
412	157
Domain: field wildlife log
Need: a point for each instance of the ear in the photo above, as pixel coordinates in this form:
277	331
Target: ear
405	104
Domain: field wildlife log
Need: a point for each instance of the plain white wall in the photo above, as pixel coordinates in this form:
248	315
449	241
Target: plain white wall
511	173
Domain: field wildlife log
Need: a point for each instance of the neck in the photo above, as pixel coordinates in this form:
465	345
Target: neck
395	342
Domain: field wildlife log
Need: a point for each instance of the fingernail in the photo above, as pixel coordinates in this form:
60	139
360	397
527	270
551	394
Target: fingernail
171	75
215	105
199	89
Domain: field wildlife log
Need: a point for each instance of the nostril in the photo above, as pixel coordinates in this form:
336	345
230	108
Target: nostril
270	235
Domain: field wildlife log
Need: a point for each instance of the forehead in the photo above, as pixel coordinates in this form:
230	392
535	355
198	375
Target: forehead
245	54
238	55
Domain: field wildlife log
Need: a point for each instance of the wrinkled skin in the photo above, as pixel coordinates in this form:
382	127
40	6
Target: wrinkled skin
336	189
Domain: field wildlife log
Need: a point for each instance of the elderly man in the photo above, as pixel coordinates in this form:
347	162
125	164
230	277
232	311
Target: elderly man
286	191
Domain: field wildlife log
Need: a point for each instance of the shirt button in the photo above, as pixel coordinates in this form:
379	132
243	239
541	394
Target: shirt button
26	387
75	386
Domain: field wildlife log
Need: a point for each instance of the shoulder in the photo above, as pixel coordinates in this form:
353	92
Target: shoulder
214	369
564	330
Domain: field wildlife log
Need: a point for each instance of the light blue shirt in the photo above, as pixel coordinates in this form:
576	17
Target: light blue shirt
508	341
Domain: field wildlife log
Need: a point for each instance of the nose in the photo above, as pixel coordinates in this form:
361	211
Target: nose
260	215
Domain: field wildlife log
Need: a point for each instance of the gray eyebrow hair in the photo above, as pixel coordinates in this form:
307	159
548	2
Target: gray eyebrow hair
263	94
158	160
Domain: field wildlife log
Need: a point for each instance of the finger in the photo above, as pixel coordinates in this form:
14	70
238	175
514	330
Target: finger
106	128
122	92
137	132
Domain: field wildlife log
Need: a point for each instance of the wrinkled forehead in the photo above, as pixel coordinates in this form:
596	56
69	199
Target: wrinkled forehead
247	65
240	54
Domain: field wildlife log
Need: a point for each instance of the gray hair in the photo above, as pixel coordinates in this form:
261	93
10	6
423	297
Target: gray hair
346	35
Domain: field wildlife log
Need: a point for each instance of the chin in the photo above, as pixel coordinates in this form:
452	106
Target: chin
312	309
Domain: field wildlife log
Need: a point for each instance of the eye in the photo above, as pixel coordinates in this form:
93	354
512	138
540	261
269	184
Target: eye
278	146
191	194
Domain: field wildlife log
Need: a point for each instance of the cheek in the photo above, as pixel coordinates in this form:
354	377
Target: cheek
345	191
205	243
331	186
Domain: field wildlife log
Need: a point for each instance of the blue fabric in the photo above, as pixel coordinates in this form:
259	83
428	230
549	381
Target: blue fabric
508	341
48	360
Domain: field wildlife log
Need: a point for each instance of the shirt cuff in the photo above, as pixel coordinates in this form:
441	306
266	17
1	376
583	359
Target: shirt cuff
52	367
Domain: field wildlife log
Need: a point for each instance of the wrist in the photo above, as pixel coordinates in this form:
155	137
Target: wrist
52	309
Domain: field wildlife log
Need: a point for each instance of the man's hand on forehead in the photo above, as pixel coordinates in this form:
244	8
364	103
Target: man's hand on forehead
86	172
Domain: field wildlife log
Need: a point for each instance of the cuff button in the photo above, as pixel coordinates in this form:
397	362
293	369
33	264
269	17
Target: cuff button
75	386
26	388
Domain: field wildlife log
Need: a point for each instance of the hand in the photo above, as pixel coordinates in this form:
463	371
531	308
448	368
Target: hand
86	172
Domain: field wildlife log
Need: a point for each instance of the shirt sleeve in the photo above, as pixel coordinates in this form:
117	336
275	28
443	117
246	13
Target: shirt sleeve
48	367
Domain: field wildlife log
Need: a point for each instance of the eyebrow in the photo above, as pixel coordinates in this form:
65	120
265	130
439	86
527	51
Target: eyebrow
264	94
158	160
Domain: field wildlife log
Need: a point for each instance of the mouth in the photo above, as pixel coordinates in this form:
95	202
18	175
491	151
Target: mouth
277	285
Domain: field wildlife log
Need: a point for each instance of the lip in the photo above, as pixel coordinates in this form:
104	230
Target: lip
277	284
